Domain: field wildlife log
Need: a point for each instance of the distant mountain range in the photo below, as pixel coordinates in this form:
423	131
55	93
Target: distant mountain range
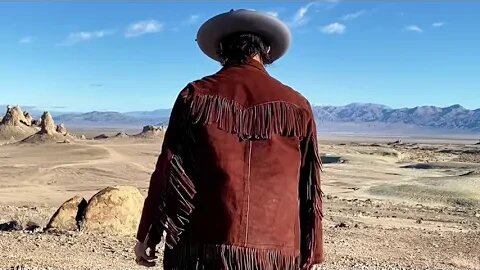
454	118
131	119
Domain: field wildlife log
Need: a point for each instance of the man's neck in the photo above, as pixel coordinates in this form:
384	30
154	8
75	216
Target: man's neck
257	58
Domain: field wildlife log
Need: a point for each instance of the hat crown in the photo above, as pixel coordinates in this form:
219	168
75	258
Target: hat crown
273	30
242	9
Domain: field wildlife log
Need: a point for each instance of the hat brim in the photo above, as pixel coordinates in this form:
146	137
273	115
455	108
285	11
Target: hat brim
274	31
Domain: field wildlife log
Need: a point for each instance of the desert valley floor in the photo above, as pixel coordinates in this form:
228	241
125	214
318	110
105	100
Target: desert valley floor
413	204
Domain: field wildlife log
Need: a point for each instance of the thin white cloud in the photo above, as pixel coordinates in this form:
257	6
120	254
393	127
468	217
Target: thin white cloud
25	40
413	28
327	4
333	28
189	21
301	15
193	19
438	24
273	13
352	16
143	27
77	37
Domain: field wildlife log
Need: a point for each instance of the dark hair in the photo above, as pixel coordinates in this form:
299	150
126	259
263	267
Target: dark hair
237	48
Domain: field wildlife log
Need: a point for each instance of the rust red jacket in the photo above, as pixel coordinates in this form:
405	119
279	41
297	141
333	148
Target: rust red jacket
237	183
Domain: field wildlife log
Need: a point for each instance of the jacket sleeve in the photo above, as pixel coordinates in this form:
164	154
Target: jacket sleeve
310	197
149	221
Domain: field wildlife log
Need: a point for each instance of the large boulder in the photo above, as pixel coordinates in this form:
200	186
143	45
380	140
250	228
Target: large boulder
68	216
114	210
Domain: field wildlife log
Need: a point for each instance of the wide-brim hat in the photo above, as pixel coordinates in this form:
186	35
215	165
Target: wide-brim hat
270	28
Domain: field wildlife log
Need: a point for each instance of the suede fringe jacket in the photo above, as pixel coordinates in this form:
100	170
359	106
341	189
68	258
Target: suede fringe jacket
237	183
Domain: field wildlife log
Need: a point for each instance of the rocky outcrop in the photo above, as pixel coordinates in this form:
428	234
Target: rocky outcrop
151	132
121	135
36	122
50	133
11	226
47	126
28	118
32	226
61	129
114	210
20	126
69	216
14	117
16	124
100	137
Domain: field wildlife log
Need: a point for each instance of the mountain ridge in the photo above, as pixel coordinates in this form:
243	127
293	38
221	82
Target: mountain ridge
451	117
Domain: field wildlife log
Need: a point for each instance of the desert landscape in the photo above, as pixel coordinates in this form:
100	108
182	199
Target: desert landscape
412	203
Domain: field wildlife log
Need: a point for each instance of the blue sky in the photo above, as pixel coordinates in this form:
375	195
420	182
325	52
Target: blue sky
80	56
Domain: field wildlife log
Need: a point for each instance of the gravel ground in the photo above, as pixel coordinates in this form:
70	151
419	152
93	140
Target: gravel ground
359	235
378	215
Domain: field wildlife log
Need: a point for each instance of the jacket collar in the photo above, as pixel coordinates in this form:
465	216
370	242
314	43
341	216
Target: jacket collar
250	63
256	64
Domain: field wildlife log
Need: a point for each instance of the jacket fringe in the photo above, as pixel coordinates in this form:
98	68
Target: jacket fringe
228	257
177	203
257	122
315	179
311	198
